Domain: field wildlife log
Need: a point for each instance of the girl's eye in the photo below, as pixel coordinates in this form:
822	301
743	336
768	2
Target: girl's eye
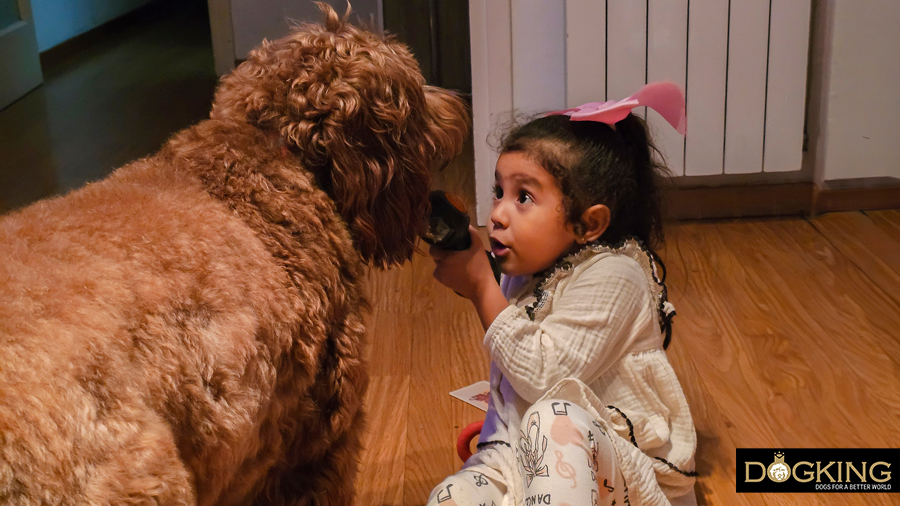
524	197
498	192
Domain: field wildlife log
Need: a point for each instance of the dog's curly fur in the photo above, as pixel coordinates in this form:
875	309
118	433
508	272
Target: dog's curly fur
189	330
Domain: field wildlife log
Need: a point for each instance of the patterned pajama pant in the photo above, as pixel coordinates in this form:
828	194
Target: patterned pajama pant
564	458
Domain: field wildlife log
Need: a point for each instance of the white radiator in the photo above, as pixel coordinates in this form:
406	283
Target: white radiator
742	63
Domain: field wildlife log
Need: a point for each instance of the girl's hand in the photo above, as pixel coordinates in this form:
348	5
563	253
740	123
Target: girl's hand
466	272
469	274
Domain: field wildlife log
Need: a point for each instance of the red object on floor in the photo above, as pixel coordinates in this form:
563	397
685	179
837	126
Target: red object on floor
465	439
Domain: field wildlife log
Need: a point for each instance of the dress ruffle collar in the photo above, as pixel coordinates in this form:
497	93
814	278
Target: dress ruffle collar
547	282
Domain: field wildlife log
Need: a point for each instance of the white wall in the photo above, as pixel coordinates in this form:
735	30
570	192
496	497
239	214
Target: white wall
858	112
57	21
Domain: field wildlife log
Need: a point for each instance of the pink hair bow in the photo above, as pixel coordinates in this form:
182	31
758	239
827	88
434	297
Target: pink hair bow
665	98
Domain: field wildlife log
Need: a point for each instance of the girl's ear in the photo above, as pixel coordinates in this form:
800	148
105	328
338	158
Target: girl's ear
595	220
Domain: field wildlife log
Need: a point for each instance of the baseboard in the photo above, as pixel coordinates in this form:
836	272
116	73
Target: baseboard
865	194
780	199
737	201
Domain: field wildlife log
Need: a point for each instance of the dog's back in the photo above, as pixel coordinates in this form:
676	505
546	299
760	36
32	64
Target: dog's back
128	334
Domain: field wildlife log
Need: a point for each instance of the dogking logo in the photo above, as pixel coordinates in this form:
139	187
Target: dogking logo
818	470
778	470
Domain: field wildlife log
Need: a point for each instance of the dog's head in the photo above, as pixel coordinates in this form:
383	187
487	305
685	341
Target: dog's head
353	107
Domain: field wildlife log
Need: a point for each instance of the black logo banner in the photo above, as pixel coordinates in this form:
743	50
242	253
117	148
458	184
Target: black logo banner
818	470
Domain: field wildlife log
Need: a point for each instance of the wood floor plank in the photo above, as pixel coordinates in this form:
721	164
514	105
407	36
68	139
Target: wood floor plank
390	291
727	354
719	383
427	294
804	310
772	319
691	335
855	333
867	245
389	350
888	221
430	436
382	469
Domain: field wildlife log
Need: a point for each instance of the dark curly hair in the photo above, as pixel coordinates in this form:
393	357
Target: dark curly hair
596	164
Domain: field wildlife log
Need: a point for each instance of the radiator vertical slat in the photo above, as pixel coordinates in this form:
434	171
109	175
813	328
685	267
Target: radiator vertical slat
585	52
626	55
667	61
746	105
538	55
706	78
786	99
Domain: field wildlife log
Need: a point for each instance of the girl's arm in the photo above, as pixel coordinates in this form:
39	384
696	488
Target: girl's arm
469	274
489	303
592	323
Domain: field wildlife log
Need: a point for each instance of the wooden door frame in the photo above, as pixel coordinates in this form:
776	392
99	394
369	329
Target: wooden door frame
222	30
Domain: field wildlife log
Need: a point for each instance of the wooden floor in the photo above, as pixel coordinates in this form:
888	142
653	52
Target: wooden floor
787	336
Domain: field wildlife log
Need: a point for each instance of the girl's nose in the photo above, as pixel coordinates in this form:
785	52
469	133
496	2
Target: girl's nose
499	215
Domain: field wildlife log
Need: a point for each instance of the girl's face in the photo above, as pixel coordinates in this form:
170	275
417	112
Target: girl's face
528	229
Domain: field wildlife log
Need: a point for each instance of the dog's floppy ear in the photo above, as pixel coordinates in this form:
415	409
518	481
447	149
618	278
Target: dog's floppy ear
448	121
380	179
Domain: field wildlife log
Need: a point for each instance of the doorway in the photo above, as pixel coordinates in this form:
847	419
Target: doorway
110	96
20	67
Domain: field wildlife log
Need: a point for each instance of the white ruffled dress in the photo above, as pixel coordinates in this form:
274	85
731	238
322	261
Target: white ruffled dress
590	332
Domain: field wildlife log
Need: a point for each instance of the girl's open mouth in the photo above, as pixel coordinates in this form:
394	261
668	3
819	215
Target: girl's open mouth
498	248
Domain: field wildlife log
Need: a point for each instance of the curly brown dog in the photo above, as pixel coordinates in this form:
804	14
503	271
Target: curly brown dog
189	330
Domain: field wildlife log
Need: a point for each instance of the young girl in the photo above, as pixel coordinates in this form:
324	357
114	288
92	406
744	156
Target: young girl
585	408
